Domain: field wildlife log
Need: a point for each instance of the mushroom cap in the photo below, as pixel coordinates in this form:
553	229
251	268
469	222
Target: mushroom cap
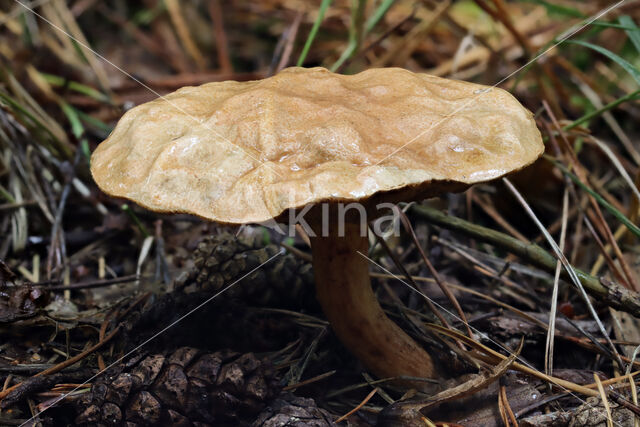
241	152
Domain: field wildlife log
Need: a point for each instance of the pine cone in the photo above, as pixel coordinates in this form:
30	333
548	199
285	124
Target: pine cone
185	388
219	260
293	411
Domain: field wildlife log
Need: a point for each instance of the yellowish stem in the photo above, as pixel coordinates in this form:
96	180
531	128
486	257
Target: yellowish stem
344	291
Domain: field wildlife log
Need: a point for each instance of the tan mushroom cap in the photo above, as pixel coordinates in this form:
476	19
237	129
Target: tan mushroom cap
239	152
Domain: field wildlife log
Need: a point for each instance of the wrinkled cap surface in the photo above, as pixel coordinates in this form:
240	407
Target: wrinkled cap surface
239	152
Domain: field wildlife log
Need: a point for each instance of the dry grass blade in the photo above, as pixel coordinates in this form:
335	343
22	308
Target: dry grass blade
502	410
476	293
406	274
634	397
604	257
605	249
605	290
296	371
508	417
58	13
31	115
511	288
548	353
568	268
495	215
175	12
220	35
486	354
478	382
291	36
149	43
19	231
411	408
360	405
605	400
616	162
407	45
441	283
524	315
583	177
612	122
309	381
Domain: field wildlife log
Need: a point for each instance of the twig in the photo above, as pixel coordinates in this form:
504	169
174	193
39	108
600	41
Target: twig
91	284
605	291
66	363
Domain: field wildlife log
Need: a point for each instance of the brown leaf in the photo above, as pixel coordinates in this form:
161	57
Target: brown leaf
408	412
17	301
477	381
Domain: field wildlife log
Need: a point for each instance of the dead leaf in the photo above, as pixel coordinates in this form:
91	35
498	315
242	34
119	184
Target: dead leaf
17	301
408	412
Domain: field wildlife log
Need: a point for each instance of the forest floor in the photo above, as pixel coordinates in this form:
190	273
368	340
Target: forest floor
111	314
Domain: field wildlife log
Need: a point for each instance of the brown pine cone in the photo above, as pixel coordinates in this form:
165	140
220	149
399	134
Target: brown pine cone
185	388
293	411
222	259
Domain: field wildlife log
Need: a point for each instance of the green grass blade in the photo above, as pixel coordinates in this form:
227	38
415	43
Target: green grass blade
612	25
76	126
633	71
314	31
368	26
377	15
630	97
633	30
23	112
75	86
7	196
94	123
557	9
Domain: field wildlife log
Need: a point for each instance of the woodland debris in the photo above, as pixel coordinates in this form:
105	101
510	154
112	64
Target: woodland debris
185	387
293	411
18	300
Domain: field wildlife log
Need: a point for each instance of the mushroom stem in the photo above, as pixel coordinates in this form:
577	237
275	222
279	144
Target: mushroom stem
344	290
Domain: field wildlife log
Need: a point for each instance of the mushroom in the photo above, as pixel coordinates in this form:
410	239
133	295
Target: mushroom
248	152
